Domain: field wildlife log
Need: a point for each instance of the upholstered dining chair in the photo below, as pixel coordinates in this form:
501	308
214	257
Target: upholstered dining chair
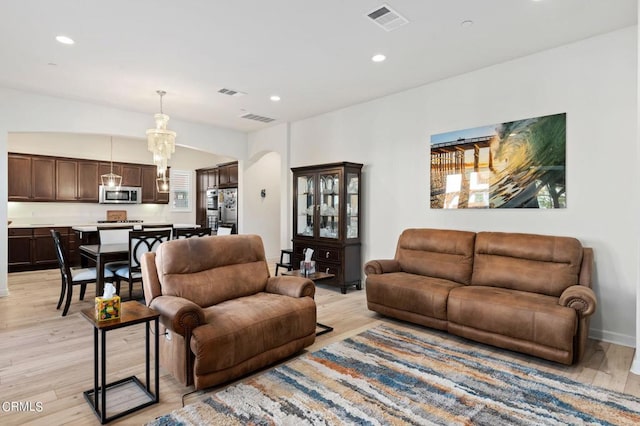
223	230
180	233
114	235
140	242
73	276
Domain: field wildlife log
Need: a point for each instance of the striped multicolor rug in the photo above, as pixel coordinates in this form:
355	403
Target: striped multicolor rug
391	375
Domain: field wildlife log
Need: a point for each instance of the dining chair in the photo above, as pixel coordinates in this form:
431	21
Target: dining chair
159	228
140	242
73	276
180	233
223	230
114	235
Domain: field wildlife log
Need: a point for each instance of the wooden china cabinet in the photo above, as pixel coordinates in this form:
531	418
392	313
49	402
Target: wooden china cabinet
326	218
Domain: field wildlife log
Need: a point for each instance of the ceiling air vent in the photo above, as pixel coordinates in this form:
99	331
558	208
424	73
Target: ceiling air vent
387	18
231	92
257	118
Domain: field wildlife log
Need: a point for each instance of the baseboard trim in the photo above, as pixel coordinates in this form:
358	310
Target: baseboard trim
613	337
635	365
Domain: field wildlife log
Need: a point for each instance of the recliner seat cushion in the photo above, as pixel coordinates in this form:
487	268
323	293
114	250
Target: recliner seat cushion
521	315
242	328
409	292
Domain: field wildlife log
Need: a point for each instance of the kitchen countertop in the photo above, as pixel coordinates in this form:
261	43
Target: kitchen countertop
93	227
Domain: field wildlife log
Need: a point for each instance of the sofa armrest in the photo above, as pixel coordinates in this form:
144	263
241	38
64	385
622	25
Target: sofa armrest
178	314
150	281
291	286
382	266
580	298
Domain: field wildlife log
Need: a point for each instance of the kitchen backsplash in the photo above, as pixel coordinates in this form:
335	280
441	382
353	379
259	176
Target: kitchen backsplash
82	213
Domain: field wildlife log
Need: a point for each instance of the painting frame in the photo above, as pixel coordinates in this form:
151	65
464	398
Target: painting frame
515	164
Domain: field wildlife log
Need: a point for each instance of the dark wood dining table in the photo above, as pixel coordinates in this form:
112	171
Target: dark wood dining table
101	254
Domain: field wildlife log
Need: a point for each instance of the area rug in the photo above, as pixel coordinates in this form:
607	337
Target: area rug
391	376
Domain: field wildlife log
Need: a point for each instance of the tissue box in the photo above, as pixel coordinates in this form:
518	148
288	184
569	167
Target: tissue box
307	268
107	309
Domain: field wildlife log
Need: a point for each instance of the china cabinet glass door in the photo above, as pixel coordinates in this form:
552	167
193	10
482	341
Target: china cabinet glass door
352	201
329	205
305	205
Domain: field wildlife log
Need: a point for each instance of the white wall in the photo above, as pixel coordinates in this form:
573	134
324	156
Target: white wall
593	81
276	139
28	112
635	365
262	215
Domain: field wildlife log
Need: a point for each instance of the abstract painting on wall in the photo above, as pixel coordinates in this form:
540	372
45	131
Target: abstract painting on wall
519	164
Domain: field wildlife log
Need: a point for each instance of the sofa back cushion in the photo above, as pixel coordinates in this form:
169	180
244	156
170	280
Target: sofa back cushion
534	263
210	270
437	253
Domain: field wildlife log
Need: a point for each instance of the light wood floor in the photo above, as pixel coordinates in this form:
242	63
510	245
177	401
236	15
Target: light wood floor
46	359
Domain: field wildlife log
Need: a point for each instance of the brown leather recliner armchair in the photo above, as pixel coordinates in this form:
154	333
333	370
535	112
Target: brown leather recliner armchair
222	315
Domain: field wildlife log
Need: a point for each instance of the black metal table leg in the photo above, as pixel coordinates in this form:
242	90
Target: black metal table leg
103	377
157	360
95	368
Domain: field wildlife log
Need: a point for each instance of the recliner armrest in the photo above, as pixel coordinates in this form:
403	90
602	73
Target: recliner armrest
291	286
580	298
178	314
382	266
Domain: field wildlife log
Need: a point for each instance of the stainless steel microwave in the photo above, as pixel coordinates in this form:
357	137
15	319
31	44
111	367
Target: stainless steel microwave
120	195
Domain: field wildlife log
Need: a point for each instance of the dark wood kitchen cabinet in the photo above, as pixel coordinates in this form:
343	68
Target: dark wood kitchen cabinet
132	174
19	173
66	180
19	249
31	178
326	218
33	248
105	168
43	172
150	193
76	180
44	178
88	181
228	175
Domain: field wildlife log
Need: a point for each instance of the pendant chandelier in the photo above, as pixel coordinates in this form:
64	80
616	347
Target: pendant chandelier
161	141
111	179
162	184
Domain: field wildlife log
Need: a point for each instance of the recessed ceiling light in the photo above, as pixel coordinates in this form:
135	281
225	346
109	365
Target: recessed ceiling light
64	39
466	24
275	98
378	58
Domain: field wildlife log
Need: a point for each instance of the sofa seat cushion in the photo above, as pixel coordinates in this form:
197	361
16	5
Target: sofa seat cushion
242	328
516	314
418	294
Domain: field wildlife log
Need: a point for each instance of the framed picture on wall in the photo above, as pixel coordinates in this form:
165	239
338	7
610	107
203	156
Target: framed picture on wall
517	164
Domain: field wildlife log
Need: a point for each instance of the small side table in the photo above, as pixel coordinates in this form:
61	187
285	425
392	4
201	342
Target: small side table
316	276
131	313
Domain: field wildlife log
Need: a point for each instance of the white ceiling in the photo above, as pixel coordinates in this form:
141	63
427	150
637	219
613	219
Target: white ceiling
314	54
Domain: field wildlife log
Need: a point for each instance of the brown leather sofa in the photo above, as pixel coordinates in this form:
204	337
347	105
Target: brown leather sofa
222	315
524	292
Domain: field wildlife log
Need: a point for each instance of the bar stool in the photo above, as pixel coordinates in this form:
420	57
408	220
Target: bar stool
282	263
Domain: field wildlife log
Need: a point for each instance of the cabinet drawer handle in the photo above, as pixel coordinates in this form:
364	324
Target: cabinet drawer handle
327	255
